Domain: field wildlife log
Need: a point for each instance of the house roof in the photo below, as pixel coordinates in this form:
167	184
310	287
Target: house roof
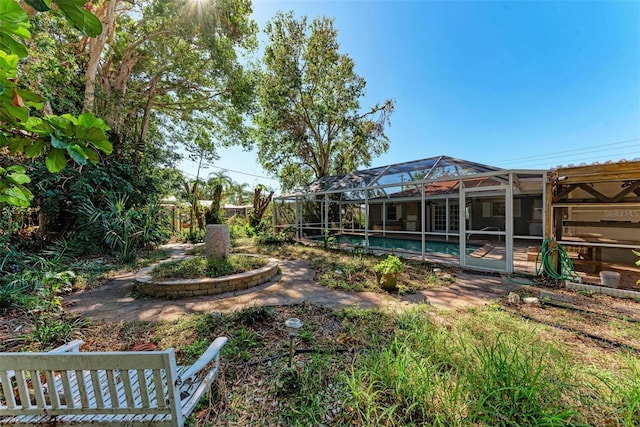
430	169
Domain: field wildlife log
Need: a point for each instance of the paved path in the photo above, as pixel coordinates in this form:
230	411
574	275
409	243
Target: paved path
115	301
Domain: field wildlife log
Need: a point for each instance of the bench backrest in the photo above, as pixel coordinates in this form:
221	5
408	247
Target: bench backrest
91	383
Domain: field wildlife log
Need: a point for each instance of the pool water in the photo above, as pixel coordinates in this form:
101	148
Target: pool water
435	247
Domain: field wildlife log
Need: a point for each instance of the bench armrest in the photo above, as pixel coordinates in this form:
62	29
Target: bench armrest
213	352
71	347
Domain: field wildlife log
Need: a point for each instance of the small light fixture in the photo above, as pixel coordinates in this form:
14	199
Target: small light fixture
293	325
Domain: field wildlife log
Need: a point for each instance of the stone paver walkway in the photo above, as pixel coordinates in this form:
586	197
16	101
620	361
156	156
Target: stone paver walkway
115	301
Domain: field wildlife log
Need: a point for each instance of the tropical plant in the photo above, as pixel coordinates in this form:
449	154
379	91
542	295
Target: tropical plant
637	262
390	265
238	193
123	228
56	137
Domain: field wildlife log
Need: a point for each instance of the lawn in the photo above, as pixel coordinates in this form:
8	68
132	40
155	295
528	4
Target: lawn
501	365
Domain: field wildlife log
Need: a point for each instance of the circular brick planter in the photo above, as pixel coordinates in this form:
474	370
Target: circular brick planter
183	288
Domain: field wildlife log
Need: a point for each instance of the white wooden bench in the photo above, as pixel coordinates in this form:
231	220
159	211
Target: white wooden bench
127	388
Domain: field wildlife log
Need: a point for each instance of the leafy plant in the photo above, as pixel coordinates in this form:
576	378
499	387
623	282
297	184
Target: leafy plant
57	138
254	315
124	229
328	241
194	267
390	265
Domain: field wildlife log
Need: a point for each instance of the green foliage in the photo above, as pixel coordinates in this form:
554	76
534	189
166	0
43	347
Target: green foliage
189	86
254	315
239	228
217	267
328	241
124	229
57	138
435	376
240	343
637	263
309	121
51	331
195	236
390	265
271	238
12	188
194	350
195	267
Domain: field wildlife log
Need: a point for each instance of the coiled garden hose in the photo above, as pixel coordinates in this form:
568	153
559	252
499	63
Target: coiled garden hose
553	261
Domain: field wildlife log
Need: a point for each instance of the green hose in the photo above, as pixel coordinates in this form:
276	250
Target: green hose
544	264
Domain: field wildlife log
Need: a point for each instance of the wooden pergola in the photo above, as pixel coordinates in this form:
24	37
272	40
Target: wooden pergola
595	208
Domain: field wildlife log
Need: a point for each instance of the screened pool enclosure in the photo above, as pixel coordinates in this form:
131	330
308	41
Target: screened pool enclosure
415	207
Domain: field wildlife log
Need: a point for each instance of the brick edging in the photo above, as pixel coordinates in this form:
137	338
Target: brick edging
183	288
614	292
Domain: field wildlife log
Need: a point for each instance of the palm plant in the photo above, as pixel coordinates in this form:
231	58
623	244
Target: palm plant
238	193
116	223
221	178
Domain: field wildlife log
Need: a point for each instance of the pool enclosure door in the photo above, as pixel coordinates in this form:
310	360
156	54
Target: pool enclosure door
485	241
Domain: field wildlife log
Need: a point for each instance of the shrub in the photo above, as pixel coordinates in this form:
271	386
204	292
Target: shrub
390	265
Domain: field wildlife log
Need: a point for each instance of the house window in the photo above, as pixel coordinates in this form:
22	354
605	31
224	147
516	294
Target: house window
393	212
440	217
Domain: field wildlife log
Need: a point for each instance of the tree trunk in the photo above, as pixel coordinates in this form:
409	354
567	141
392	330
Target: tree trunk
147	108
106	13
260	205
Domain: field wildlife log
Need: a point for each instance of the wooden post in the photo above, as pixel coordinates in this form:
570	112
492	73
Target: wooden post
548	209
552	247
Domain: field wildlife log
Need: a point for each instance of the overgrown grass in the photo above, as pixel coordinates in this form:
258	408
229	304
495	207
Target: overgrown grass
352	270
488	369
196	267
477	367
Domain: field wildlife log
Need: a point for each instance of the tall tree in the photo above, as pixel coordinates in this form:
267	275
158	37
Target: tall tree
172	68
310	123
238	192
220	177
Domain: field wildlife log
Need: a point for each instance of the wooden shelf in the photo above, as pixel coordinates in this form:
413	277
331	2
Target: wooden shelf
608	224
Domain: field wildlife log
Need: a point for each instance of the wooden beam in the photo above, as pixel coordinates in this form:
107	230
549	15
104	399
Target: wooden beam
623	171
548	210
608	224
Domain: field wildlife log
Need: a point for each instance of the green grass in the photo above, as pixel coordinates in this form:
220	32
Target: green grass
197	267
475	367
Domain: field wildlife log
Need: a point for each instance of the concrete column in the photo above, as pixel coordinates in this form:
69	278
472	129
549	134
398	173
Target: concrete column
217	241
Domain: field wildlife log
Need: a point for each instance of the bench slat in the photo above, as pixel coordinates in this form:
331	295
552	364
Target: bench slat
82	389
7	389
128	392
37	388
66	389
161	392
144	394
97	389
113	394
52	390
23	389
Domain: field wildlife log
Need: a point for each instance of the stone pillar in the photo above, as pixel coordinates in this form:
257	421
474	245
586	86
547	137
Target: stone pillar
216	241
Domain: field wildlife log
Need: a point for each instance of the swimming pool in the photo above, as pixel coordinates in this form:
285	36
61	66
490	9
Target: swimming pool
434	247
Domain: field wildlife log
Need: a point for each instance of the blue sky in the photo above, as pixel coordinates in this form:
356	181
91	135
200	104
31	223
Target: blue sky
511	84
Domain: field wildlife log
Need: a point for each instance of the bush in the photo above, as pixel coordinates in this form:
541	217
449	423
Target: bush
122	229
195	236
390	265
